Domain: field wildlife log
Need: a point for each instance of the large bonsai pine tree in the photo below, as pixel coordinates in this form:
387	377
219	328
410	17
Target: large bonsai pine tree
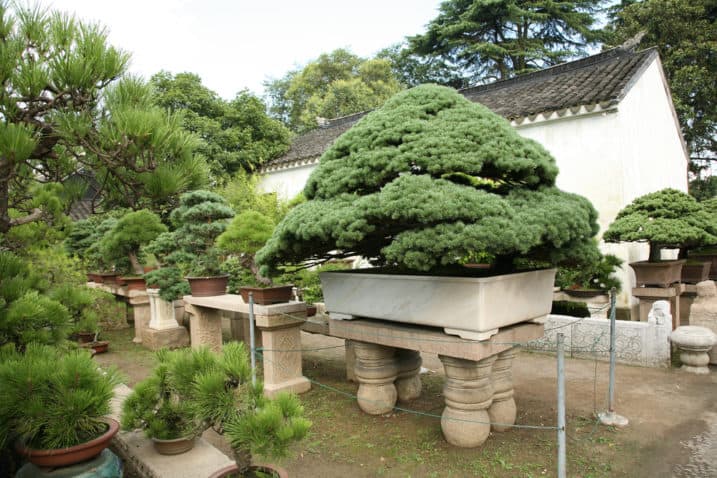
664	219
427	180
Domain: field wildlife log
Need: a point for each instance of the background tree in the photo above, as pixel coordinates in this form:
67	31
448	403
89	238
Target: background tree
428	179
59	117
234	135
335	84
496	39
412	70
685	33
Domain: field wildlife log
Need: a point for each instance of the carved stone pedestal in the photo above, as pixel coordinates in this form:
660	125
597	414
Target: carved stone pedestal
163	331
704	311
694	343
376	370
502	411
408	381
468	393
649	295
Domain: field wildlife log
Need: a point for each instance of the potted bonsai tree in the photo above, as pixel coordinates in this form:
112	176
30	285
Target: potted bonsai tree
53	404
189	249
417	186
705	254
124	241
590	279
215	390
79	301
246	234
665	219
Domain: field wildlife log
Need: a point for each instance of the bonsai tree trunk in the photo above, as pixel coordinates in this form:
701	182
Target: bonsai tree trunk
242	456
655	250
136	266
248	262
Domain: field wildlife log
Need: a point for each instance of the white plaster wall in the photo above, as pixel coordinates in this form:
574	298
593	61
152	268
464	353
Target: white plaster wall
286	183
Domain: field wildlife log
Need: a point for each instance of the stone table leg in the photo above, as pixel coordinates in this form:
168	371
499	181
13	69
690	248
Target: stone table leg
502	411
142	317
205	327
376	370
350	360
282	359
468	394
408	382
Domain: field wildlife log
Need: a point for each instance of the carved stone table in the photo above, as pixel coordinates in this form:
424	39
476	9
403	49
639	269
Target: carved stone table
649	295
280	326
478	389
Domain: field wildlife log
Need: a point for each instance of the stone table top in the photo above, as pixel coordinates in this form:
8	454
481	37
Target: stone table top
432	339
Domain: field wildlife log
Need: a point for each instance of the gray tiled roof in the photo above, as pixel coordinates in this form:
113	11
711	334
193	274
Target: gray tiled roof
602	79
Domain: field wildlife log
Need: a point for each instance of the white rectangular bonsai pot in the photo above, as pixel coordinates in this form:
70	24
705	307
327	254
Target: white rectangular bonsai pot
470	307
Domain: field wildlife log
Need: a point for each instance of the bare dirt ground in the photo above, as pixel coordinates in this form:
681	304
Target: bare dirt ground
672	430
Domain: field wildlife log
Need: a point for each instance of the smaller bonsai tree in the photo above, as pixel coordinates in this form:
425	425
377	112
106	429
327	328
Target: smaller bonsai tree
595	275
79	302
50	399
189	249
123	242
193	389
246	234
666	219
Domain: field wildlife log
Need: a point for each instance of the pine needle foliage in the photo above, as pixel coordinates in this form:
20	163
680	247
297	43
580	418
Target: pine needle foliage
193	389
665	219
124	241
428	179
50	399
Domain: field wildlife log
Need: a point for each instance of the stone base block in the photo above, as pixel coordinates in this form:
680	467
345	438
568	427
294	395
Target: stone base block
168	338
297	385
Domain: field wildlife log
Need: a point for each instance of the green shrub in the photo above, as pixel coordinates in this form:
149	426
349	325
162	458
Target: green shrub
572	309
428	179
595	275
50	399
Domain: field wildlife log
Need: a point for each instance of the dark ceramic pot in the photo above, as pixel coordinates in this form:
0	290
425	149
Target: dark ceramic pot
133	282
208	286
70	455
175	446
267	295
692	272
271	470
657	274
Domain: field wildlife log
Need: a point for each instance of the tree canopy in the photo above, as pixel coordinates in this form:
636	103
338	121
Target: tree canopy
665	219
497	39
335	84
233	135
685	32
428	179
64	116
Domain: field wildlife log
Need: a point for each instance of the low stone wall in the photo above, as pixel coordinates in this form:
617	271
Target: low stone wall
637	343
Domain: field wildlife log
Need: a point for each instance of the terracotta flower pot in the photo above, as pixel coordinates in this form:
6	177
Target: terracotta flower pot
85	337
692	273
109	278
659	274
133	282
208	286
310	310
99	346
173	447
267	295
70	455
271	470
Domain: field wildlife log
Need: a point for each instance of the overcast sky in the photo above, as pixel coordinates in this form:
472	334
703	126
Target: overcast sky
239	44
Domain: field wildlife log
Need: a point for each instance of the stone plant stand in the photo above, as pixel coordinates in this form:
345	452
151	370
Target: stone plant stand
694	342
703	312
649	295
478	389
280	326
139	301
163	331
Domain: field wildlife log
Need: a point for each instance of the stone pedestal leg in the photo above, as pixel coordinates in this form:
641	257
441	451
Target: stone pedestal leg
375	370
408	382
502	410
468	394
350	360
142	317
282	360
239	327
205	327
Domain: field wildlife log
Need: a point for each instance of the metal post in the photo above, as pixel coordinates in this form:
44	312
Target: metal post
610	417
561	407
252	345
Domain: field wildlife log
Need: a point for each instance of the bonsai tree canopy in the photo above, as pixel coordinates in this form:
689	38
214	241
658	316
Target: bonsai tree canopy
245	235
664	219
129	234
427	180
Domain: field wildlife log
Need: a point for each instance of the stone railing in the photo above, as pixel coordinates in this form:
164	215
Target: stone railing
637	343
